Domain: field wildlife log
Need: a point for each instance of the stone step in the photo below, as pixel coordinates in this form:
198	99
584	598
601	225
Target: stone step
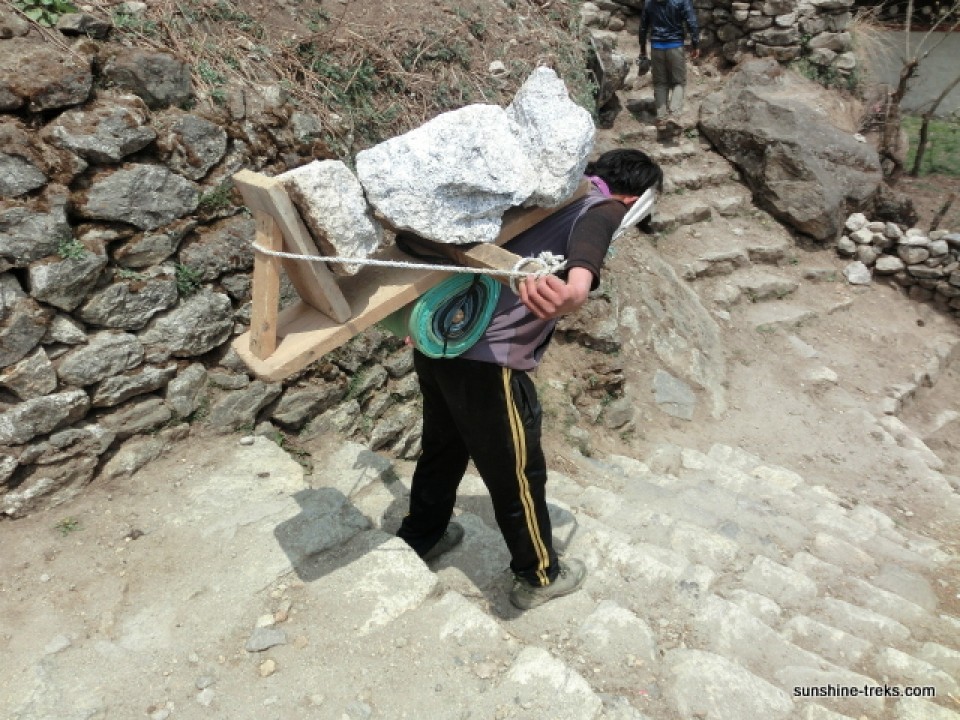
723	518
735	224
702	684
752	285
710	172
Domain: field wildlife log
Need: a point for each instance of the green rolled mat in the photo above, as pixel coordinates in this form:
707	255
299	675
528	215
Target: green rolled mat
448	319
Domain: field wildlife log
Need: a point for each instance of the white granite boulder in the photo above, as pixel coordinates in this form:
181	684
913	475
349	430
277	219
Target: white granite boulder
333	207
452	178
556	133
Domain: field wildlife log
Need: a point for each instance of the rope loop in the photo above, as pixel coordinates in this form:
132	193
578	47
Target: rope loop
546	263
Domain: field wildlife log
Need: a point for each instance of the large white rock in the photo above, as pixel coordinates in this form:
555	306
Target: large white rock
557	134
334	209
452	178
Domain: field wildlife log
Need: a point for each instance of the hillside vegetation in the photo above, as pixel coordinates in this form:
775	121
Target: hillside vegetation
369	70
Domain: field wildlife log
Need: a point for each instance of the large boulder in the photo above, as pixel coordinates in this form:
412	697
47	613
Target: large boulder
802	161
556	133
333	207
451	179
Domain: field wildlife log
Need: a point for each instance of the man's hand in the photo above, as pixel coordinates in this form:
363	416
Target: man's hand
550	297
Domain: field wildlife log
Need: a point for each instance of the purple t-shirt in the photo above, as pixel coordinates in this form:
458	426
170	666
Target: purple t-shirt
516	338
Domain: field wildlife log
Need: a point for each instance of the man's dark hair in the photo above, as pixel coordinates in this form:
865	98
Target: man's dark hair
627	171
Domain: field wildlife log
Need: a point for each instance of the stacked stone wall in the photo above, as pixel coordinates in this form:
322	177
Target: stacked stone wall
815	30
925	264
125	269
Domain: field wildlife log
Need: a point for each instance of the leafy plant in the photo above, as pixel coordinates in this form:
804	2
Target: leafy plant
208	73
67	525
44	12
70	248
217	199
188	280
134	23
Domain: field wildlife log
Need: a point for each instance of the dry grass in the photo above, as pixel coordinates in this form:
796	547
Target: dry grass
869	41
365	77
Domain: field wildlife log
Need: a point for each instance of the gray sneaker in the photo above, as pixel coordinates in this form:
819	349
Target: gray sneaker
451	537
572	574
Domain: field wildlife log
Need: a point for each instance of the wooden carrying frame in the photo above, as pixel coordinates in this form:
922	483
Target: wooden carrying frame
331	311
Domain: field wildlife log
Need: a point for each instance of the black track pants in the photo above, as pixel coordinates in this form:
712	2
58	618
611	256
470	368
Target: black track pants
491	414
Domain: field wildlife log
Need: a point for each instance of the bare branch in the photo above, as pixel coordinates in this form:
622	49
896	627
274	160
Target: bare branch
946	33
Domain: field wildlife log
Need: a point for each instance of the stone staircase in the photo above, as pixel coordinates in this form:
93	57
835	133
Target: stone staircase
719	584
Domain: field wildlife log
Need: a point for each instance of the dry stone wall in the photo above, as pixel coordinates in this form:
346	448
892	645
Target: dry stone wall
125	262
787	30
925	264
125	269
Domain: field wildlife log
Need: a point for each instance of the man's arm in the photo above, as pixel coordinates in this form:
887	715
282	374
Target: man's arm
550	297
690	17
644	30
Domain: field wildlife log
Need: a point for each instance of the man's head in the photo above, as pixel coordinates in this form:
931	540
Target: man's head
627	172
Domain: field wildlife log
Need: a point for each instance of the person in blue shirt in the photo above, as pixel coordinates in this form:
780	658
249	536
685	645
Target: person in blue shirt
667	22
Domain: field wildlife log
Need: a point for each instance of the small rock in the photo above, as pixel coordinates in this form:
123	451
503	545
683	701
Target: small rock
267	668
857	274
264	638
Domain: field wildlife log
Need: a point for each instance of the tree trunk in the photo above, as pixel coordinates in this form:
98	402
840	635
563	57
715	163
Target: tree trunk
891	126
942	212
925	126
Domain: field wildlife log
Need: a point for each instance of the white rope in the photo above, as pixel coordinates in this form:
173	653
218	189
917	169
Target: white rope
546	263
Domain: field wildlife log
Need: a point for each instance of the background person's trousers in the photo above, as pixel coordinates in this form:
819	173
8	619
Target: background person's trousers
491	414
669	71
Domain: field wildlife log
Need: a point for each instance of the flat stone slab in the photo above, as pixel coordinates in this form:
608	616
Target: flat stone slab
772	316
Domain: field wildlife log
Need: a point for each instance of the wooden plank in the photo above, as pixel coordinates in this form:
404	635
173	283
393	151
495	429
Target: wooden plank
490	257
315	284
307	335
266	288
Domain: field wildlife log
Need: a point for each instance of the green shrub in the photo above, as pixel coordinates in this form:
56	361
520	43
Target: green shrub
218	198
942	155
44	12
70	248
188	280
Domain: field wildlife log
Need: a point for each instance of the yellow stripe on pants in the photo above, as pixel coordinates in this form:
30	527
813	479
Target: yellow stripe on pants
520	453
